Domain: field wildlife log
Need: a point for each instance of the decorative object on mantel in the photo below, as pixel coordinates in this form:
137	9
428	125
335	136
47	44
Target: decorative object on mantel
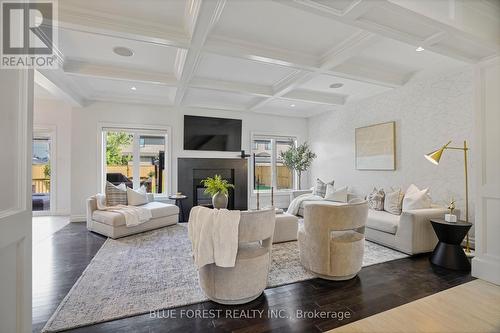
218	188
450	217
434	157
376	147
298	158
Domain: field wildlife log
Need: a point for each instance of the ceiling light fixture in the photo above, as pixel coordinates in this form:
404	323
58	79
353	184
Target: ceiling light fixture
133	88
292	105
336	85
419	49
123	51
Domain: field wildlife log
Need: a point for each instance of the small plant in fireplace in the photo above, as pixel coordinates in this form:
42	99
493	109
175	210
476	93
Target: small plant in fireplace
218	188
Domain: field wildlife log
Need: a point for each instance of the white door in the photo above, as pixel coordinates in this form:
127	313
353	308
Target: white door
16	109
486	264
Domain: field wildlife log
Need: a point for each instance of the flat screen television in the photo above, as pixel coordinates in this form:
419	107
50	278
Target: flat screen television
213	134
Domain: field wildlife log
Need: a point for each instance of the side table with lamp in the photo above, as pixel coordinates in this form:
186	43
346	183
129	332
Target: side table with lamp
451	234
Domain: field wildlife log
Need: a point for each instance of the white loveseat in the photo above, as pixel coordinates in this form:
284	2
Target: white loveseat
113	225
411	232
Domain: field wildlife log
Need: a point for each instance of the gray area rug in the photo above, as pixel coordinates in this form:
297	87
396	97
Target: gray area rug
155	270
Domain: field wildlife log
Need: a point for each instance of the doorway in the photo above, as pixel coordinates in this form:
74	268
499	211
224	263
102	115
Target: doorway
43	173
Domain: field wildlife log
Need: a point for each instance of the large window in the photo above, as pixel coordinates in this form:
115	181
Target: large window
269	170
136	158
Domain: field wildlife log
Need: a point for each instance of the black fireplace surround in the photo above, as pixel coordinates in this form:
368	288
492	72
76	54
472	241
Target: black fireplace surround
191	171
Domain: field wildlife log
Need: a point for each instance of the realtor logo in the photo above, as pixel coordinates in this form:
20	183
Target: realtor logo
28	34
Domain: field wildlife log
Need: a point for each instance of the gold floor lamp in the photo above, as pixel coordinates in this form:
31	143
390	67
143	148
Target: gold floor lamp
434	157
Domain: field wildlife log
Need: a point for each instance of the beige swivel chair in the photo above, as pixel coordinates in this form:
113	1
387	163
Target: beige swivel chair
331	240
248	278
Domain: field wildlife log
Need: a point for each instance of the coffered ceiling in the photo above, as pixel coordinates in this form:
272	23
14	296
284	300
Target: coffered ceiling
264	56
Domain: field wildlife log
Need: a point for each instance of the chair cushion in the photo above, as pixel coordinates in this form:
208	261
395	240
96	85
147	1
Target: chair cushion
382	221
158	209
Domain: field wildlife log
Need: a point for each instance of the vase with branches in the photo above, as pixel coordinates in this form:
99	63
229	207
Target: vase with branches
298	159
218	188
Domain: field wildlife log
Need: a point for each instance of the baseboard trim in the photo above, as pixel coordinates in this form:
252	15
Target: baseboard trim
78	218
486	268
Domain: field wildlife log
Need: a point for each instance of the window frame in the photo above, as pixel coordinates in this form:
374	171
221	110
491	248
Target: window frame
274	157
137	130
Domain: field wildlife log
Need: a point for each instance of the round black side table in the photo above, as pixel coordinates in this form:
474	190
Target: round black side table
178	202
448	252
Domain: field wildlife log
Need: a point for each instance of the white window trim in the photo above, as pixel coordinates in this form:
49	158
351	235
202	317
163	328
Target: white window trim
142	129
273	138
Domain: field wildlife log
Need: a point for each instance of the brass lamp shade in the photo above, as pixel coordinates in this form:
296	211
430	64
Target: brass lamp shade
435	156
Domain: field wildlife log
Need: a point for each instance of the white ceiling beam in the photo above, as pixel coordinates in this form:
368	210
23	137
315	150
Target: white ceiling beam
84	20
205	15
80	68
256	52
51	81
315	97
238	87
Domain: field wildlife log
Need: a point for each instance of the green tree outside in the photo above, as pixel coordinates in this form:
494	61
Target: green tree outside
114	143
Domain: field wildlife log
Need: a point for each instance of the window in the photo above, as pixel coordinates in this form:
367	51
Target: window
40	171
136	158
269	170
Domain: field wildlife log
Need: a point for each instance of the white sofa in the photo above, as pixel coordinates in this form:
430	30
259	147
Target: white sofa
112	224
411	232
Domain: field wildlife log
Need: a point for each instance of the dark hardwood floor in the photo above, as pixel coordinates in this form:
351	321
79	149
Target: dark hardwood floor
377	288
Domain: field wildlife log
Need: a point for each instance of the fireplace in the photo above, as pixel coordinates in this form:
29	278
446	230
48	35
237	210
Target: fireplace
191	171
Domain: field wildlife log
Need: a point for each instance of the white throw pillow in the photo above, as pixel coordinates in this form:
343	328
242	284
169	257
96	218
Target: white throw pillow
393	201
332	194
320	187
416	198
101	201
136	198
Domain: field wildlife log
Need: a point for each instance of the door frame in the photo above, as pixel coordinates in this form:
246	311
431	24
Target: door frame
50	132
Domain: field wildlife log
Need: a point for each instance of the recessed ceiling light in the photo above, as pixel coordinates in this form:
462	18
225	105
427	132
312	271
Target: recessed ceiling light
419	49
292	105
134	88
123	51
336	85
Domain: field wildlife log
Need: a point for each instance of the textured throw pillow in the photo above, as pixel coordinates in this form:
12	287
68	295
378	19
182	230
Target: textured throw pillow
137	198
101	201
376	199
116	195
393	201
320	187
339	194
416	199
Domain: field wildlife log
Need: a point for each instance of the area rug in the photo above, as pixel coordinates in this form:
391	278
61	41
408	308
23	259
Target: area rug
154	270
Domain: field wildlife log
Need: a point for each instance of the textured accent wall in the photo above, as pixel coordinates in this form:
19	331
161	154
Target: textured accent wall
428	112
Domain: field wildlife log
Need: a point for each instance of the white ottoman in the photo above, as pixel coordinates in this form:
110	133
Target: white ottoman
286	227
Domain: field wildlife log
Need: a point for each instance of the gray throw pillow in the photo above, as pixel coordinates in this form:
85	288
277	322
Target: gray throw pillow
115	195
320	187
376	199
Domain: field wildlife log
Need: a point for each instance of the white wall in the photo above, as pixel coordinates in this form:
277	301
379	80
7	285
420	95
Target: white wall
54	114
428	112
84	142
486	264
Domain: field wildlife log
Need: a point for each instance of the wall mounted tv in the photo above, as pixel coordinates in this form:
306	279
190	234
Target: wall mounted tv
213	134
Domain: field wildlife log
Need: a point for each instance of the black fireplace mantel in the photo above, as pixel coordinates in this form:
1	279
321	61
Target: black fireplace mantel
192	170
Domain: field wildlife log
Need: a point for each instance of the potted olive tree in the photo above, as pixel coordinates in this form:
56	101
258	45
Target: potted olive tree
218	188
298	158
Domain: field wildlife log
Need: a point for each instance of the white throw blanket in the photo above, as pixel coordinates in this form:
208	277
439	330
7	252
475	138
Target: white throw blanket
214	236
295	204
134	215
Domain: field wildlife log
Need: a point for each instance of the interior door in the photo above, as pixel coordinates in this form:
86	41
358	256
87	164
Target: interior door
16	109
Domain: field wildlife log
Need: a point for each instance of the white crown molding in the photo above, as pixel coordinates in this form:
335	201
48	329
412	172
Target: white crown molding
238	87
55	83
315	97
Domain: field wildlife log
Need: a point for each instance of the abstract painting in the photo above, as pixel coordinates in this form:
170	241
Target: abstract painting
376	147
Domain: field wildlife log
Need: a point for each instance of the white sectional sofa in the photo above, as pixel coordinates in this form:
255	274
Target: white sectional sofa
112	224
411	232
